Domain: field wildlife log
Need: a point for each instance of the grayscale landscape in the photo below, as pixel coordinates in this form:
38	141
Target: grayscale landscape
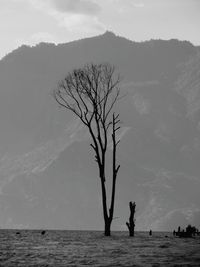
99	133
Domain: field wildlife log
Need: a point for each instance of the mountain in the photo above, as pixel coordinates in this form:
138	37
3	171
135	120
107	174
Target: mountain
48	176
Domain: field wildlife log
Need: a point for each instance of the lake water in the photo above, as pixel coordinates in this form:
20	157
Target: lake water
90	248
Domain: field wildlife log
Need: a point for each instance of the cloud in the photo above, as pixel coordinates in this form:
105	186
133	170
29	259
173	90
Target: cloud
138	5
125	6
81	23
128	3
80	16
86	7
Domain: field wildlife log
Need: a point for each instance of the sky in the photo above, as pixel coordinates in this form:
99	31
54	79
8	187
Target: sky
59	21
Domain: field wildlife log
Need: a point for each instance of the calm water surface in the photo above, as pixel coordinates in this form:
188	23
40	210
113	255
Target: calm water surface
90	248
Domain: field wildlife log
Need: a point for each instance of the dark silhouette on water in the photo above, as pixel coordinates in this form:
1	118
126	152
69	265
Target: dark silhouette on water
131	223
179	229
150	232
43	232
190	231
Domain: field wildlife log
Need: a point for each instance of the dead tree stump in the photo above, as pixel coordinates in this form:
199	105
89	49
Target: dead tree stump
131	223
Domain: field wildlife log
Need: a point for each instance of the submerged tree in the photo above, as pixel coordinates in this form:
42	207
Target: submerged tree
131	223
91	93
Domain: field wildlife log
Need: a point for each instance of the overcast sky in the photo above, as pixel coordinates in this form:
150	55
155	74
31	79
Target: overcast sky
33	21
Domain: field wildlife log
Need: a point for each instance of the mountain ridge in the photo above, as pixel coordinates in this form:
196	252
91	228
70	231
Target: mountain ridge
46	163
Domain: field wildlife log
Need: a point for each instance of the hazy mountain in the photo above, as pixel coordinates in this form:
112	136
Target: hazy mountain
48	177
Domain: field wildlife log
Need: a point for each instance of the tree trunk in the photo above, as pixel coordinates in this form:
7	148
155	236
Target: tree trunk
107	220
108	215
131	223
131	229
107	231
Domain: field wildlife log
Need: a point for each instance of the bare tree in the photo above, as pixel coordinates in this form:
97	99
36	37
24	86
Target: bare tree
91	93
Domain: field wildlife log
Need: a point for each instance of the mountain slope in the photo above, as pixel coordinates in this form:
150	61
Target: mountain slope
48	177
